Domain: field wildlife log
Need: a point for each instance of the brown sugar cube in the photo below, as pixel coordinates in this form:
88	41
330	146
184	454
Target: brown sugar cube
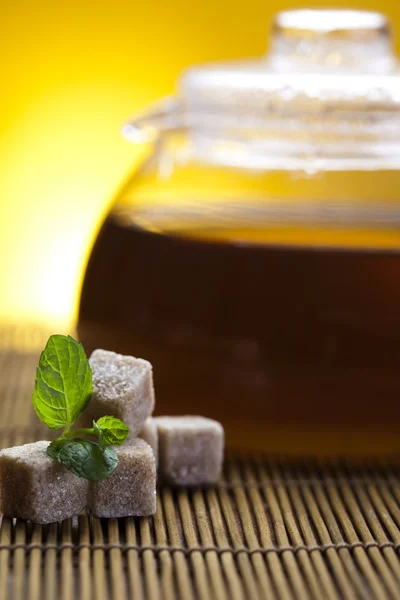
123	388
190	450
150	435
35	487
131	489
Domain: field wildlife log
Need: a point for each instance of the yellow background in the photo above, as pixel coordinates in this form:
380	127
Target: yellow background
71	72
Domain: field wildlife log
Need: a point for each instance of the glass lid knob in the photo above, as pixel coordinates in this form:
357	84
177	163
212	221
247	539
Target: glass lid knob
331	38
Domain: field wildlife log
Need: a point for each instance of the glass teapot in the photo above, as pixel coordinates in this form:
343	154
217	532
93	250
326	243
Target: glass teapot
254	256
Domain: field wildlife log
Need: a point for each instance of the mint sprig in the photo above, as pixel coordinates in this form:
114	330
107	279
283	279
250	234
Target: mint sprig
63	388
63	385
112	431
84	458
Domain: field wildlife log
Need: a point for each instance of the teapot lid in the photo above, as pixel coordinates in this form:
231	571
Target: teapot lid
329	87
320	60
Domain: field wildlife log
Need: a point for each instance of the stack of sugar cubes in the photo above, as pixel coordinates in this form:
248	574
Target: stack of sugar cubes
185	450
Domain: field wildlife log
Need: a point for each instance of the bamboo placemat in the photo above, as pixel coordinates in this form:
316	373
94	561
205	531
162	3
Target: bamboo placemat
272	528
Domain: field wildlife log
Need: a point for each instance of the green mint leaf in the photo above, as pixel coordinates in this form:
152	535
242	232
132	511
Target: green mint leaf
63	384
84	458
113	431
54	448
